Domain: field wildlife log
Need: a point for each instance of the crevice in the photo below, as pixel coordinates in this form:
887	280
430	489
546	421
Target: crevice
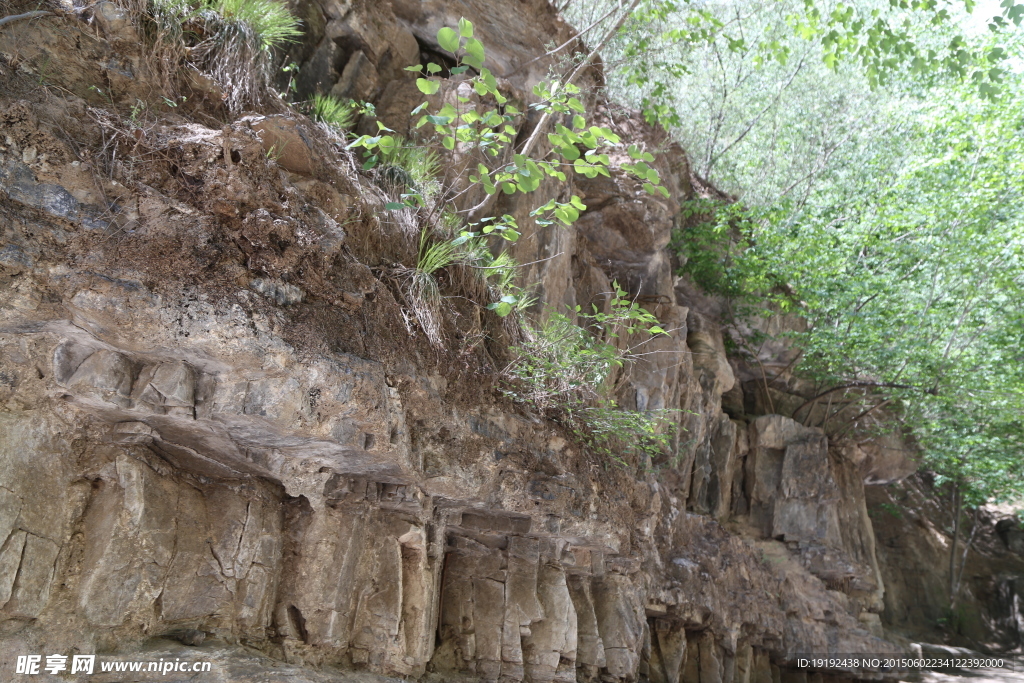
298	622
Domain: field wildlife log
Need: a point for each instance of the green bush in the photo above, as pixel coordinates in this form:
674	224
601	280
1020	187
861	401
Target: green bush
563	369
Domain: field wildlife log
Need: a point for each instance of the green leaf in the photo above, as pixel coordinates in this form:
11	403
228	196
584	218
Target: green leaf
427	87
395	206
448	39
465	28
433	68
474	53
502	308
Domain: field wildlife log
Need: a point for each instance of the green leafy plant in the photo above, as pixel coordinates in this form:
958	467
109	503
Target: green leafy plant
724	253
563	369
907	269
462	128
564	364
561	364
615	433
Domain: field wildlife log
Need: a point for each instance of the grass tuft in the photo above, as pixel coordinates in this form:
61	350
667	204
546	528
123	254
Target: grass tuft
233	41
424	294
340	114
267	23
422	164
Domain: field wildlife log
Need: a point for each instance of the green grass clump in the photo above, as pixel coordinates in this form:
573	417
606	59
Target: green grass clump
421	164
337	113
232	41
423	293
239	48
265	23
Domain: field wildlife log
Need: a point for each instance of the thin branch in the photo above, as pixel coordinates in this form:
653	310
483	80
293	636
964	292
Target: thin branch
854	385
753	122
564	45
27	15
852	423
473	214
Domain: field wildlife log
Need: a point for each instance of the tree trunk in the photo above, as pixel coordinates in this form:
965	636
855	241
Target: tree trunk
956	505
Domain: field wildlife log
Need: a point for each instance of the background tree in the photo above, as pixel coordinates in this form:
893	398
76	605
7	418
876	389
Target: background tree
876	150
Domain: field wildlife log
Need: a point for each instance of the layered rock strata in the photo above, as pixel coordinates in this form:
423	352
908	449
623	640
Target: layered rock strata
223	434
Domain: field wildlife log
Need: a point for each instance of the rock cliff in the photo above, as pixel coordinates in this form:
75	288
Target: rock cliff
223	436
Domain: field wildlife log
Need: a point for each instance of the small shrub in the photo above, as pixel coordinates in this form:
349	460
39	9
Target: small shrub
561	364
719	252
613	433
563	369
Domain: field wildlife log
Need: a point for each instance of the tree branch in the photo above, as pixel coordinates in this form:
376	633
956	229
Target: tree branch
475	213
854	385
27	15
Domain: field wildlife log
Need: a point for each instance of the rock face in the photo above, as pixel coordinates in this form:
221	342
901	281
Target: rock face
222	436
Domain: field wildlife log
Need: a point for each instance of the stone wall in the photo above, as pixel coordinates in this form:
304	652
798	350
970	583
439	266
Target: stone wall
222	434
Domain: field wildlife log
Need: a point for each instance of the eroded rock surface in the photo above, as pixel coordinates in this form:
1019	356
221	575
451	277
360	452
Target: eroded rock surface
219	426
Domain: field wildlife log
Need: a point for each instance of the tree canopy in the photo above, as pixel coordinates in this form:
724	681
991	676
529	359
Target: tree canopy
877	154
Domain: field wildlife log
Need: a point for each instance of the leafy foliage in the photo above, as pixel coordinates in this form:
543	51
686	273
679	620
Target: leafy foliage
564	369
911	282
461	128
655	50
561	368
